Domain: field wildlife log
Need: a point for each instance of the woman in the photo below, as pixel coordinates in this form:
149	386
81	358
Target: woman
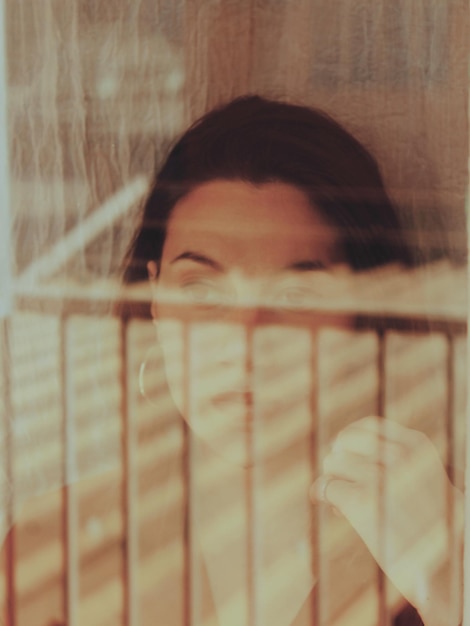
261	211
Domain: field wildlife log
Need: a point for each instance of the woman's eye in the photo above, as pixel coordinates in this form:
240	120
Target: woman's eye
202	293
293	298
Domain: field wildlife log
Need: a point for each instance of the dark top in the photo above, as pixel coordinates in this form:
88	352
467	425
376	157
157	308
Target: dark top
408	616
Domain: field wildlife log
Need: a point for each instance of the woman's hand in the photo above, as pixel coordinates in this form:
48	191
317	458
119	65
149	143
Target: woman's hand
390	484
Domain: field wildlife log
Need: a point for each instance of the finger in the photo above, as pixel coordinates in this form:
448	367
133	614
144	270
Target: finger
368	432
341	494
366	444
365	510
390	429
354	468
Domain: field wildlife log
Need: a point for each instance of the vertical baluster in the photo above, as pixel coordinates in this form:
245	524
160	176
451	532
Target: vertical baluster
466	563
454	544
8	495
384	618
450	409
191	592
6	304
69	476
129	488
250	491
190	615
381	399
315	459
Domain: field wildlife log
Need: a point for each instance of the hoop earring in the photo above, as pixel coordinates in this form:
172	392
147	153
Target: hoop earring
142	367
143	388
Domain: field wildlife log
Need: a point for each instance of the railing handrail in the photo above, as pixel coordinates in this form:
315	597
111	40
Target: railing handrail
139	308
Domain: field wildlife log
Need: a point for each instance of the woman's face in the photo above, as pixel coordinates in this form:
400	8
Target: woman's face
233	250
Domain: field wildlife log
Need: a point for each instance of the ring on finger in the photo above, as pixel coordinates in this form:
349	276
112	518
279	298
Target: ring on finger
326	480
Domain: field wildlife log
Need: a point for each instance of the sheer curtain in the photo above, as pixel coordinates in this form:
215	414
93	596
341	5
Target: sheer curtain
95	94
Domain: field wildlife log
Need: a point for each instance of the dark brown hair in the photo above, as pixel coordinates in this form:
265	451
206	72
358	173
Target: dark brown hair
255	140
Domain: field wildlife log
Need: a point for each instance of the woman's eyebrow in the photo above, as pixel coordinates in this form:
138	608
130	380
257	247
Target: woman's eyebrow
196	257
306	266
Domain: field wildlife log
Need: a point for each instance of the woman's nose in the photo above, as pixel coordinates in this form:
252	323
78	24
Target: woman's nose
220	348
